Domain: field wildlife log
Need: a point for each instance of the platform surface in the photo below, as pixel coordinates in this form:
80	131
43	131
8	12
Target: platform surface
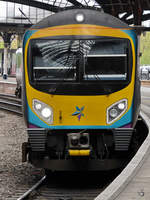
8	85
8	80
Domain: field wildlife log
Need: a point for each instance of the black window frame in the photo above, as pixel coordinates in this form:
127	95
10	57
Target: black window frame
79	71
73	87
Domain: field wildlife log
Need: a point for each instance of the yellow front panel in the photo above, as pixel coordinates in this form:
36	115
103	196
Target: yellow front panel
94	106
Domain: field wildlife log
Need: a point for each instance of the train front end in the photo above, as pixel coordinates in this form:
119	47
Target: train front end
81	91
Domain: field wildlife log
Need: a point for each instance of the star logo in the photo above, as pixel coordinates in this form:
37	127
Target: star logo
78	112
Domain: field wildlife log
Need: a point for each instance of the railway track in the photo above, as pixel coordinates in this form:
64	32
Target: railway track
10	103
64	187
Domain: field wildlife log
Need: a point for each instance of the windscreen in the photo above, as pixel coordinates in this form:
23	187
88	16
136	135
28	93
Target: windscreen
79	60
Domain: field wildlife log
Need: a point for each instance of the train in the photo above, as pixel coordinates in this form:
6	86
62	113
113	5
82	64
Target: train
80	91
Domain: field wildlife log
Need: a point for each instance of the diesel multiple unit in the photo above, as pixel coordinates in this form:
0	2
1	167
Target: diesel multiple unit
81	91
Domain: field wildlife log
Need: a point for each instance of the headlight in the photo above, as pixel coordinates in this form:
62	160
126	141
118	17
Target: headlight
79	17
116	110
38	106
44	111
113	112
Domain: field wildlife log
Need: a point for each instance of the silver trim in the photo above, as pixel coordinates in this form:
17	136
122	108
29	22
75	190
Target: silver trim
106	55
106	76
54	67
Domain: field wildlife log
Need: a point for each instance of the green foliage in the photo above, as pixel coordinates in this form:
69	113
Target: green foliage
145	49
1	45
13	44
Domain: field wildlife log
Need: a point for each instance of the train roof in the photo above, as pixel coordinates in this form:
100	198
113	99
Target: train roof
90	17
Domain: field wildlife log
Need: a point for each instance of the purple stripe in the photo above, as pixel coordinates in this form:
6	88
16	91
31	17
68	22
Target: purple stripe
127	126
32	126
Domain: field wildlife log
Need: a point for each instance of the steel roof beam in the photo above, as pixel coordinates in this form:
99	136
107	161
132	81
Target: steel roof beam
75	3
144	18
124	18
113	7
37	4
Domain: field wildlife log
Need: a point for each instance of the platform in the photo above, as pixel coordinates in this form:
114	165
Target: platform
145	83
8	80
8	85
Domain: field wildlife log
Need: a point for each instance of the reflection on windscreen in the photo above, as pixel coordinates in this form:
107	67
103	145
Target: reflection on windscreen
90	59
54	60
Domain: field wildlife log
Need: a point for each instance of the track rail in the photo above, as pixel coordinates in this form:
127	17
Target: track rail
63	187
10	103
34	187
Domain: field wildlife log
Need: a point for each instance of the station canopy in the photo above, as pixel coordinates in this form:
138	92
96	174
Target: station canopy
31	11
